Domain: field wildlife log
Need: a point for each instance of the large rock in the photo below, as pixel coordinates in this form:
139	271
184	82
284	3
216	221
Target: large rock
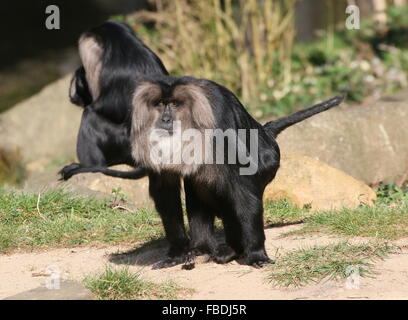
43	127
369	142
309	182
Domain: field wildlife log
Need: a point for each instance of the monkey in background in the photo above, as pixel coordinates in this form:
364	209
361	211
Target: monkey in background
216	188
112	57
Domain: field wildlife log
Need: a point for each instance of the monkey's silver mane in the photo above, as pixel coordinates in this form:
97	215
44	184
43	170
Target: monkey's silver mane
90	52
197	115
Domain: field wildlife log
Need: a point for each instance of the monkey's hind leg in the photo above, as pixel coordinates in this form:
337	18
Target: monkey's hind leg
165	191
249	212
230	250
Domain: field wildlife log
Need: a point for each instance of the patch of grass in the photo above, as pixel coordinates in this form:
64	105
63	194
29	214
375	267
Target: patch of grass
121	284
380	222
314	264
283	212
387	219
58	218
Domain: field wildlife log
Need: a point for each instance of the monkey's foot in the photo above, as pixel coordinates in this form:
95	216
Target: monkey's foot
258	259
68	171
224	254
189	264
171	262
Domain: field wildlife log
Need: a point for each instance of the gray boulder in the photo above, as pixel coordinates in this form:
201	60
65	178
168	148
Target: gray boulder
43	127
368	142
68	290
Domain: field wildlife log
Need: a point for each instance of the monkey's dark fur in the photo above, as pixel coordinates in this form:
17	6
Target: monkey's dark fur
103	138
211	190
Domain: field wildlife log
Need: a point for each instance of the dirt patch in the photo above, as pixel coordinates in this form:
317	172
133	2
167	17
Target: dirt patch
22	271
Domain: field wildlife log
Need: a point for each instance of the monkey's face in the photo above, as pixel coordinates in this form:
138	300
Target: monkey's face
163	117
158	106
167	112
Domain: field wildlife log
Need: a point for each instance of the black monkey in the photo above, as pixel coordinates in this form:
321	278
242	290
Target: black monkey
113	57
167	108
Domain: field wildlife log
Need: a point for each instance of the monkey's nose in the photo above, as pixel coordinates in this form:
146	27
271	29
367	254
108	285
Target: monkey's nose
166	119
166	124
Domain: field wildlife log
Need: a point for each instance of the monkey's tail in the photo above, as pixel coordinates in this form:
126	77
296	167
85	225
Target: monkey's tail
278	125
133	174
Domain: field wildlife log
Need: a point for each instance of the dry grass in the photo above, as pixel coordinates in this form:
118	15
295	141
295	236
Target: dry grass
244	45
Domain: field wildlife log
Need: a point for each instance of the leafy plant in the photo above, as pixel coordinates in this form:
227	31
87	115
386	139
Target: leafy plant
390	193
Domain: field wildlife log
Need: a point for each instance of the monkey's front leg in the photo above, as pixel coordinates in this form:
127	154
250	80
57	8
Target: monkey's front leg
165	191
201	204
200	217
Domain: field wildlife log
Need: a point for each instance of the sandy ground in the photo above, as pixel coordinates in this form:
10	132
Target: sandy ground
24	271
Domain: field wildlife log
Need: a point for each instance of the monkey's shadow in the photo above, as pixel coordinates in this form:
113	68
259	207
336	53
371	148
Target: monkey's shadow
145	254
154	251
149	253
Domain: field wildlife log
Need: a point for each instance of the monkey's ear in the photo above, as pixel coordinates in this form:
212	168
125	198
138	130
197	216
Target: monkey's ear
202	115
145	95
79	93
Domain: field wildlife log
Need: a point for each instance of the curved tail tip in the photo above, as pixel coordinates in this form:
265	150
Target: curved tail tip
344	95
338	99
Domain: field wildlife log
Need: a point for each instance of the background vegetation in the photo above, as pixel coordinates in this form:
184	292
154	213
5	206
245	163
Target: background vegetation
263	50
249	46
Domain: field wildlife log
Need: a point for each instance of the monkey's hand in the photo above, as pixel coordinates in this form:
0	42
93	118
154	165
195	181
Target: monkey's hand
69	170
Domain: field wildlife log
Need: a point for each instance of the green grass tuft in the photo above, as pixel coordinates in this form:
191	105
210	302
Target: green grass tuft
121	284
58	218
380	222
387	219
283	212
314	264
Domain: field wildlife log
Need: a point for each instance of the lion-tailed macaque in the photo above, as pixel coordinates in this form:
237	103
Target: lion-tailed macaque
112	57
199	131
